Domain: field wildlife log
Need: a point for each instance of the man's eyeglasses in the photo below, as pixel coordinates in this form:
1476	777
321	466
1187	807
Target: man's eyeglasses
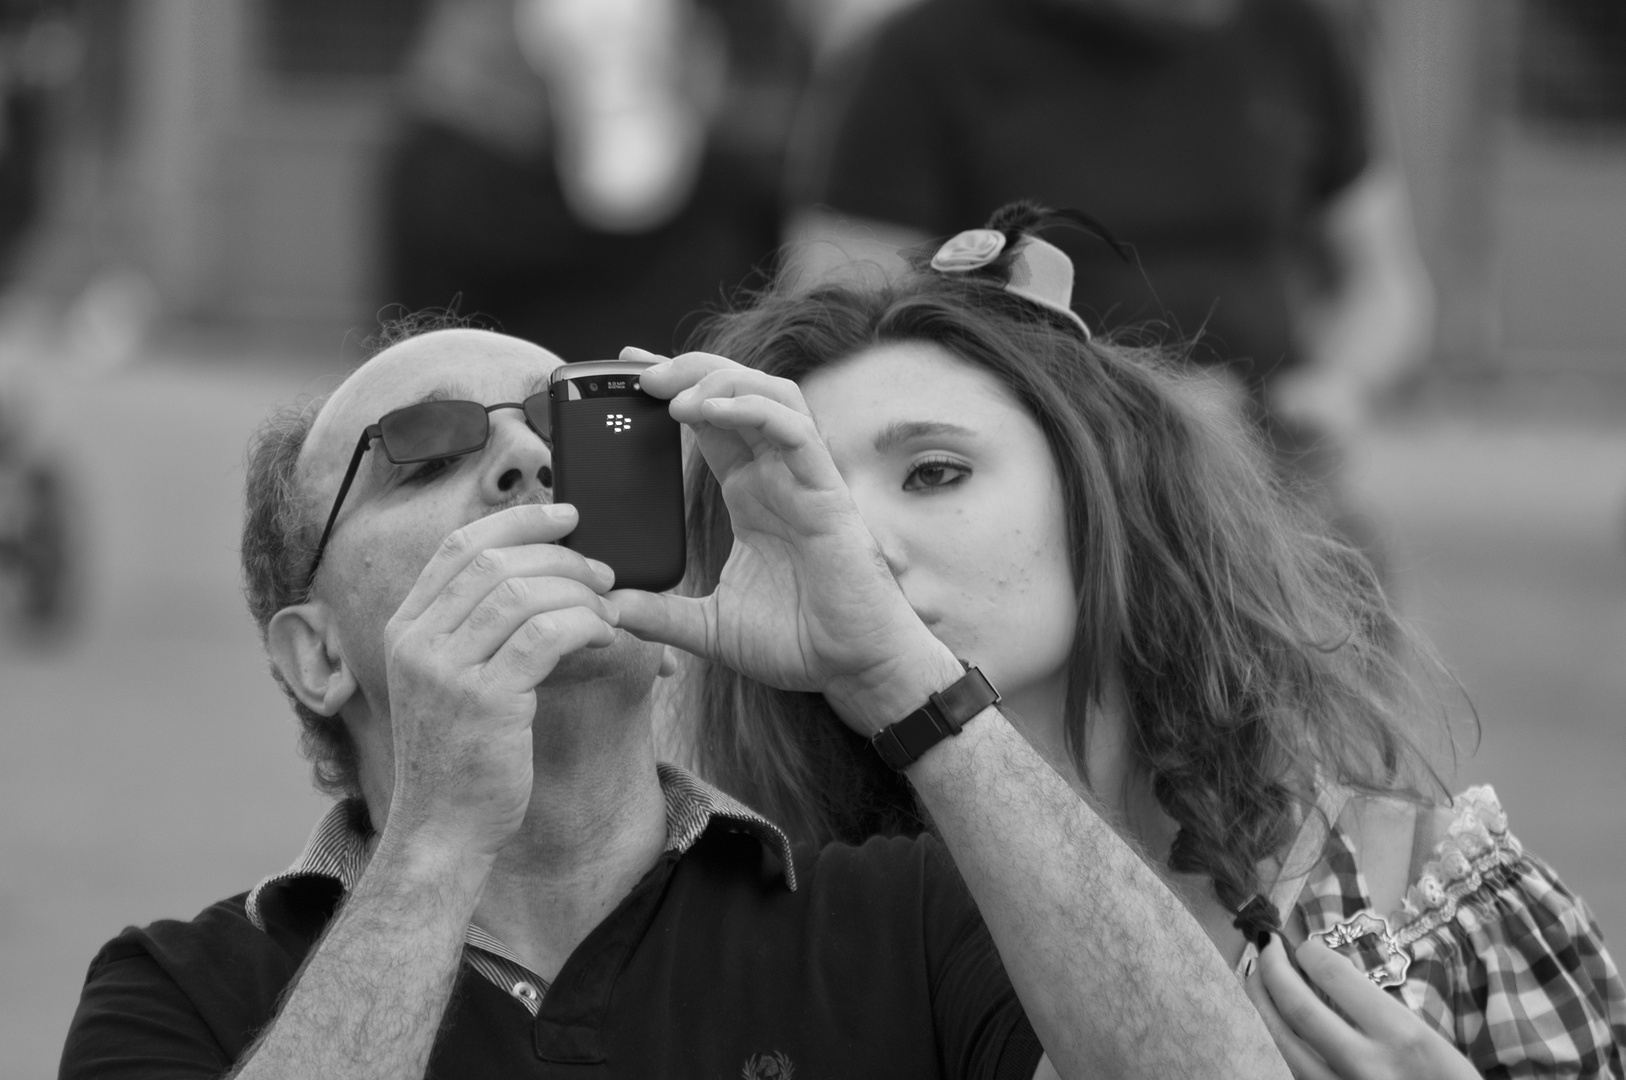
430	431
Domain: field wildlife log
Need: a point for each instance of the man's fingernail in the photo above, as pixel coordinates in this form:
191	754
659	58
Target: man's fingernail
603	570
559	510
612	614
660	369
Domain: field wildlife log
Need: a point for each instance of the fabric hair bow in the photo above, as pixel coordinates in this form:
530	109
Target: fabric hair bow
1034	269
1039	270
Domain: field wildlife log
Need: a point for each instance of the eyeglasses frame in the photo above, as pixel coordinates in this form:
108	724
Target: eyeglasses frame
376	431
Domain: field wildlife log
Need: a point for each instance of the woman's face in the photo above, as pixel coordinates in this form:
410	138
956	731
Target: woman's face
957	484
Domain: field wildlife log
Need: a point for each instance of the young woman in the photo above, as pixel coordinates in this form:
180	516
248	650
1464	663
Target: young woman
1178	636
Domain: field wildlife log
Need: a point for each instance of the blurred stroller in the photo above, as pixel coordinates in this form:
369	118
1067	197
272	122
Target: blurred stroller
38	571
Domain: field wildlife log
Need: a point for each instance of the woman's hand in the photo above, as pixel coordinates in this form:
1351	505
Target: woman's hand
1387	1041
805	601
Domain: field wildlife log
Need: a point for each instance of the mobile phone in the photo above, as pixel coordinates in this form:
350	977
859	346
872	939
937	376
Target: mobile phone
618	459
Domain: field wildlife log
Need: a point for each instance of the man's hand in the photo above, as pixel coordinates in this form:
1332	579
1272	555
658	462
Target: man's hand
487	620
805	602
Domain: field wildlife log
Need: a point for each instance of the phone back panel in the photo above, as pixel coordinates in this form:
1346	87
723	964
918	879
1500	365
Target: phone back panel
619	461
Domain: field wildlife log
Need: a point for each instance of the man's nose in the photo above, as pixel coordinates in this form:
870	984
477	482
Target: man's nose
517	462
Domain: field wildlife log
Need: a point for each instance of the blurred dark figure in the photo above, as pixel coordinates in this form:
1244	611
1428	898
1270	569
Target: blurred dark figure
36	554
590	173
1572	61
1228	142
22	124
39	49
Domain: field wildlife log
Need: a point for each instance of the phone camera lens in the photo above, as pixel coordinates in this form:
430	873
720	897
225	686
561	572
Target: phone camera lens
592	386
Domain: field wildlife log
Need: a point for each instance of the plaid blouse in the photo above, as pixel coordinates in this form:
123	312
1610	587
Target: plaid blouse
1507	963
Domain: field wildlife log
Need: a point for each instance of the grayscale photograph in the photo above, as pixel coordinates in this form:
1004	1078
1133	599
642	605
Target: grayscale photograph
812	539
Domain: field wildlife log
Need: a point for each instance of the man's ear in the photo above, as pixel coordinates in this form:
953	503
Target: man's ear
305	653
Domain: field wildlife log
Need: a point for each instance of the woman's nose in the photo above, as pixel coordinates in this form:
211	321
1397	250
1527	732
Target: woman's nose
518	463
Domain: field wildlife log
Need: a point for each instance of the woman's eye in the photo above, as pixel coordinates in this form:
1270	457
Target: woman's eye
930	475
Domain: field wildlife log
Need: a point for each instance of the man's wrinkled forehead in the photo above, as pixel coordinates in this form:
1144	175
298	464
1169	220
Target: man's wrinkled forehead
477	364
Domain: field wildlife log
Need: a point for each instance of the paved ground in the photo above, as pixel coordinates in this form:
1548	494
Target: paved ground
149	769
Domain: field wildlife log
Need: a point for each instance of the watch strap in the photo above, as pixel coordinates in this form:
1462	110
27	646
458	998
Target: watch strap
945	712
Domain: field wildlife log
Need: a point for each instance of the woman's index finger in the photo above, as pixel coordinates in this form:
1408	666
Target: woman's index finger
671	377
1362	1000
1327	1033
1305	1063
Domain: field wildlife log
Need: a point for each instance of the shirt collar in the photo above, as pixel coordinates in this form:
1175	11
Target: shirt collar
338	847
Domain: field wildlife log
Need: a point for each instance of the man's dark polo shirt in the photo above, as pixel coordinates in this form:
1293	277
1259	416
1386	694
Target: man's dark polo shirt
876	964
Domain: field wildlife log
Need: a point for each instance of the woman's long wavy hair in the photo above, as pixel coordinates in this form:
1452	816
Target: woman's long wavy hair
1256	653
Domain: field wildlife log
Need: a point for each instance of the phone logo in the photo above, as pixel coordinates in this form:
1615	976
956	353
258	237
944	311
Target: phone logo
618	423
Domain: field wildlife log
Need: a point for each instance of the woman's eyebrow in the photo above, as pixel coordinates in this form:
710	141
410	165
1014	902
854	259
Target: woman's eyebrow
901	431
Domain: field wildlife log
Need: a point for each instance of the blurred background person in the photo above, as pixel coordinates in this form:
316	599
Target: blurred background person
589	173
1229	143
38	56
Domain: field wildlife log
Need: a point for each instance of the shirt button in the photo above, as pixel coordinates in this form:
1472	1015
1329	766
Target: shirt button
528	992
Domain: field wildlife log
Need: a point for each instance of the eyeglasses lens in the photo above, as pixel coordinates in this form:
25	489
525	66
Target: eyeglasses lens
434	429
536	414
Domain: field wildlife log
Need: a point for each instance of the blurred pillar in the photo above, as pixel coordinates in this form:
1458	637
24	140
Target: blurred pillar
1450	67
252	141
188	65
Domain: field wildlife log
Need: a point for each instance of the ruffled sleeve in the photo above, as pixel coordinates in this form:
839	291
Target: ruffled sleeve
1507	963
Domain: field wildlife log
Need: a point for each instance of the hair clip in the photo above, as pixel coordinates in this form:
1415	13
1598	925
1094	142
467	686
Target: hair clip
1040	271
1258	919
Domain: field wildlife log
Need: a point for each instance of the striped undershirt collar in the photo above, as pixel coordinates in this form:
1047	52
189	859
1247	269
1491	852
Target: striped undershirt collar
339	847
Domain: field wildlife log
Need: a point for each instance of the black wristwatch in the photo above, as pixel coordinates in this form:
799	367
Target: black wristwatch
945	712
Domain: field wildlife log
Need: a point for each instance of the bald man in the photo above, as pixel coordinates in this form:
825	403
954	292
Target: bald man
510	884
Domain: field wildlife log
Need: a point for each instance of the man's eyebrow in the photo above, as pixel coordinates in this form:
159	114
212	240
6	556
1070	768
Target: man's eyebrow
538	384
899	432
381	465
443	392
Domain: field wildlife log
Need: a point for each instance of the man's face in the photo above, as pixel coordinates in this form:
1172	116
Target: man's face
395	517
